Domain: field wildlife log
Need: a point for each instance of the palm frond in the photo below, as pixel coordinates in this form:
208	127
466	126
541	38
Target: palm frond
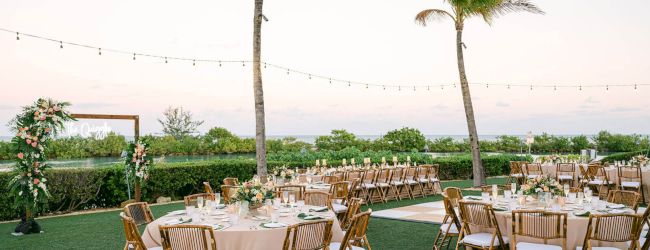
509	6
432	15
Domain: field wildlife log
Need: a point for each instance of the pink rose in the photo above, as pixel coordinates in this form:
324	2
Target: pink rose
28	141
36	113
47	130
34	144
20	155
42	118
36	181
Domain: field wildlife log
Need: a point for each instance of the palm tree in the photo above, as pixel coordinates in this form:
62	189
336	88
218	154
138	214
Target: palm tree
461	10
260	127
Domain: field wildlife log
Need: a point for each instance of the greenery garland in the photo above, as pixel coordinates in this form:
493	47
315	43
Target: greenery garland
35	127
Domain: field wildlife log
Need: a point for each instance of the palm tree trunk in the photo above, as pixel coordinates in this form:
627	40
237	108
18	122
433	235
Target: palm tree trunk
477	165
260	127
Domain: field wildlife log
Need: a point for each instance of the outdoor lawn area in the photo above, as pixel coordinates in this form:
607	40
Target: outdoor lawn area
104	230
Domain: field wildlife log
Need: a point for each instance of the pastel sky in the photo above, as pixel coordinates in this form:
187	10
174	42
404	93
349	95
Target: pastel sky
576	42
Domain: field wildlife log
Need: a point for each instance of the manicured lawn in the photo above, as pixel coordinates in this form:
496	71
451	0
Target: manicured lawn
105	231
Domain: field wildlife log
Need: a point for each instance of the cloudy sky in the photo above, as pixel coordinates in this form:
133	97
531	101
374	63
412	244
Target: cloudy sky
576	42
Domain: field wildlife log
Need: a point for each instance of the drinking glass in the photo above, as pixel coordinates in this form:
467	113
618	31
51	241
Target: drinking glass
285	197
209	204
277	202
594	202
513	188
274	217
548	199
507	194
581	197
485	196
292	199
566	189
217	199
588	196
189	210
572	197
199	202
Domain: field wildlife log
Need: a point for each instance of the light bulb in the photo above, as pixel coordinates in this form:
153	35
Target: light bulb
100	51
61	44
17	36
193	62
219	63
134	56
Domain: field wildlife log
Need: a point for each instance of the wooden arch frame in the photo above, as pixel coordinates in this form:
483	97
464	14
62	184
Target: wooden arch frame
136	130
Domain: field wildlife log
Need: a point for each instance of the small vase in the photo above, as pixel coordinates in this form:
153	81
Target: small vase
244	208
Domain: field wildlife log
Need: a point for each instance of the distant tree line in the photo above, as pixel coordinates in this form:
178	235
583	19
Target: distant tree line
221	141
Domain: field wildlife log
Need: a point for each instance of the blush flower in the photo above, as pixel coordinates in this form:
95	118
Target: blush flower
20	155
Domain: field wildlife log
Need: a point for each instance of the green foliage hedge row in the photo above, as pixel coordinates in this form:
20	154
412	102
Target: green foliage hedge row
624	156
88	188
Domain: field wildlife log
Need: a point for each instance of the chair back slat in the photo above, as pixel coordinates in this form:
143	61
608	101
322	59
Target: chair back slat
187	237
625	197
613	227
318	198
539	224
139	212
308	236
133	238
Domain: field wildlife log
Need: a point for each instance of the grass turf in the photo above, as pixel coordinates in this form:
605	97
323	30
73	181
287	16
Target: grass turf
104	230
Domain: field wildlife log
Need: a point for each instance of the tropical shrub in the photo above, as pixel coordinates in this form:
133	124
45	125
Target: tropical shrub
624	156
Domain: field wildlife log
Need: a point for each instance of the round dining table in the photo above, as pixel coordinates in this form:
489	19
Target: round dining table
247	233
577	222
612	175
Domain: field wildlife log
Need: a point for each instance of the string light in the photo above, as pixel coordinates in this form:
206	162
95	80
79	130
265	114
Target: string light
243	64
100	52
399	88
349	84
428	88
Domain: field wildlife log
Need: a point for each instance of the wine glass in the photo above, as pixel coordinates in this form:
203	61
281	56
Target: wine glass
566	190
513	188
199	202
285	197
292	199
217	199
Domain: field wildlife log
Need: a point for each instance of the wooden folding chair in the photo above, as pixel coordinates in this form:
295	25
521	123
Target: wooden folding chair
297	190
187	237
231	181
133	237
383	183
425	181
517	174
207	187
318	198
191	200
454	195
614	228
227	192
449	228
395	184
309	236
355	234
538	224
599	181
627	198
479	215
630	178
139	212
566	172
533	170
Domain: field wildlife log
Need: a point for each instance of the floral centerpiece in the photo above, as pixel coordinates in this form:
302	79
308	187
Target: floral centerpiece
34	127
640	160
137	163
254	193
541	184
283	172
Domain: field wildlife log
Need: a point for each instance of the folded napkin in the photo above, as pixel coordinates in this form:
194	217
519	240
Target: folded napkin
177	212
305	216
615	206
500	208
618	211
319	209
476	198
177	221
581	213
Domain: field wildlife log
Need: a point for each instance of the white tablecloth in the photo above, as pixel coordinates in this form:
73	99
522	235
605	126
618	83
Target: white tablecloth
246	235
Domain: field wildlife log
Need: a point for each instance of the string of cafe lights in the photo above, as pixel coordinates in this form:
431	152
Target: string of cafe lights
311	76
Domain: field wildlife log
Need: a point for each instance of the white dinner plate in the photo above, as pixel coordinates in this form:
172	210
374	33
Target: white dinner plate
177	212
274	225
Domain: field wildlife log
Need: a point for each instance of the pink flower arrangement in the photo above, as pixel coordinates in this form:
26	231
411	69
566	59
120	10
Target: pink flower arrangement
20	155
36	181
34	144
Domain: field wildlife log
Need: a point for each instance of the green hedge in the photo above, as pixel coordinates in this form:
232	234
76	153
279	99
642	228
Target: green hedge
624	156
88	188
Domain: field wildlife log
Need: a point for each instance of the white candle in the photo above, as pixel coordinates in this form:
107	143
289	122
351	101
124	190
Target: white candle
352	161
383	159
317	162
394	158
408	158
344	162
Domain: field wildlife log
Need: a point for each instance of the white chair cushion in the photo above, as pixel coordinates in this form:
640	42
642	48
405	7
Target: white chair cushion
483	239
565	177
517	175
599	248
338	208
424	180
535	246
452	230
383	184
411	182
337	246
597	182
434	179
397	183
532	176
368	185
632	184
